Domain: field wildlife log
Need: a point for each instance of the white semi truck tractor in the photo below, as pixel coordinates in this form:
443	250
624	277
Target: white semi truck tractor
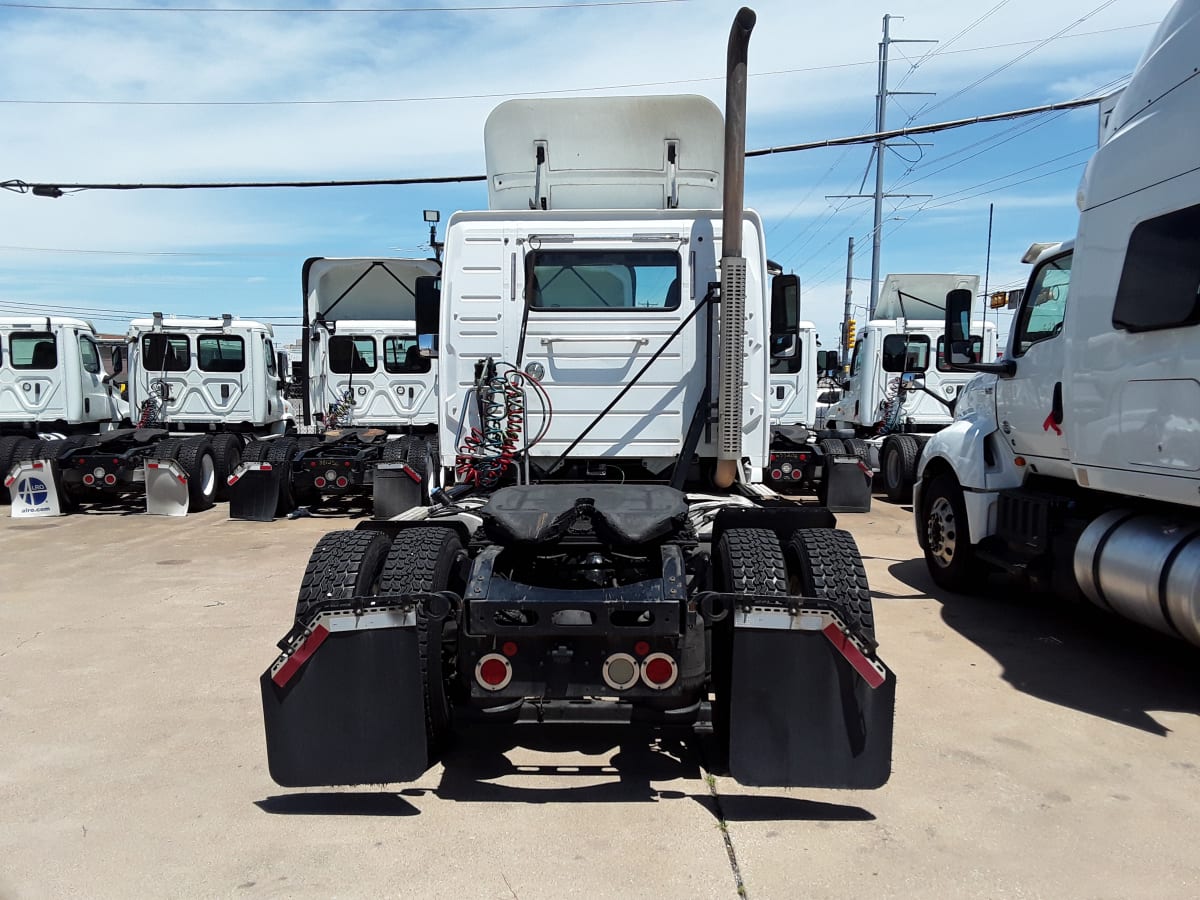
1074	462
605	549
202	393
900	388
54	391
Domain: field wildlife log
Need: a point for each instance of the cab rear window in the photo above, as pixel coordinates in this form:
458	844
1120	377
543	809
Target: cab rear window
221	353
166	353
33	350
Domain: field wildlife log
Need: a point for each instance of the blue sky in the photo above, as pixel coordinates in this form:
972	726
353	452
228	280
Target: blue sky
112	96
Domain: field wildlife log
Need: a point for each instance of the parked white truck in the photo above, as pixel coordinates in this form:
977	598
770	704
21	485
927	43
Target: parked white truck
53	389
369	398
607	551
202	394
1074	462
900	388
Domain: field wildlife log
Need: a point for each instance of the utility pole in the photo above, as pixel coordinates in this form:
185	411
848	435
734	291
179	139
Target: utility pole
846	312
881	98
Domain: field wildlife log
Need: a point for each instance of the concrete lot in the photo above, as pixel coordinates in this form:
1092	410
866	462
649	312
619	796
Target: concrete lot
1039	751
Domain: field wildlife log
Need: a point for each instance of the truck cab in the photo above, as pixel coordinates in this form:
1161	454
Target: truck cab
890	357
52	378
195	374
361	362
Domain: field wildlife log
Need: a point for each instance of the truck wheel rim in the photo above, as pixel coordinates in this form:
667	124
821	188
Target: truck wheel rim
893	468
941	531
208	475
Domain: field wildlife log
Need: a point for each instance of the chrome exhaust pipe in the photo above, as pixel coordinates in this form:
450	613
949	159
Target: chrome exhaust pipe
733	264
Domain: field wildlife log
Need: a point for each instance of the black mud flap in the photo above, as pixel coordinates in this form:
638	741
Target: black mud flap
396	489
254	492
801	716
351	713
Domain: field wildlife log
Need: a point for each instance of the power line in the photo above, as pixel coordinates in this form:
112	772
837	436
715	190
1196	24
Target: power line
526	93
1016	59
64	7
56	189
927	129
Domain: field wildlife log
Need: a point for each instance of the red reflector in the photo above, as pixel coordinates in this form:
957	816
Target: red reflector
641	648
265	467
841	641
182	479
312	465
775	473
87	479
659	670
319	481
342	481
81	461
110	479
8	481
346	464
493	671
151	465
116	462
509	648
300	657
37	465
772	457
233	479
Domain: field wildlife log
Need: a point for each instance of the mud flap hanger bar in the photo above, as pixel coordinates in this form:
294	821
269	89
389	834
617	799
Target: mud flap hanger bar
773	613
337	616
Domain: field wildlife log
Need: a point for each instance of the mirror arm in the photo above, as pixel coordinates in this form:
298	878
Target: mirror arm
1006	368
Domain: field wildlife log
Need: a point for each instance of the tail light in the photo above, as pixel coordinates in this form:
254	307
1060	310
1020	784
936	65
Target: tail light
621	671
110	479
659	671
319	481
342	481
89	479
493	672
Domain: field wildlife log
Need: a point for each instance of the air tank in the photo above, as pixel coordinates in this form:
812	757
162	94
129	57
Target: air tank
1145	568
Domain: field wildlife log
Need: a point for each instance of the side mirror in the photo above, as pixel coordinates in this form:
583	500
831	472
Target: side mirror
958	322
118	360
783	346
282	366
428	302
827	360
785	303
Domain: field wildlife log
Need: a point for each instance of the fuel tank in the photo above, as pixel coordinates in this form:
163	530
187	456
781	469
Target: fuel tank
1145	568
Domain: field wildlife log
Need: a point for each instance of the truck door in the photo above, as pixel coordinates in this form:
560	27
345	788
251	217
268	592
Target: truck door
1029	405
96	404
792	369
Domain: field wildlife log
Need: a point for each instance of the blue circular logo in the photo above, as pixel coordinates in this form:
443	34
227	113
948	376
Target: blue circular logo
32	491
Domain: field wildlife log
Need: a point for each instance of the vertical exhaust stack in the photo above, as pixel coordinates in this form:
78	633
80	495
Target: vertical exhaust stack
733	264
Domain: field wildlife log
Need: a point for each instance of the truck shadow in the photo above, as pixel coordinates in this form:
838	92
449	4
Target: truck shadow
647	767
1070	654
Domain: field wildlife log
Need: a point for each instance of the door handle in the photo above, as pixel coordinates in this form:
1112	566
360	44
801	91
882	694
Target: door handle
1056	404
779	392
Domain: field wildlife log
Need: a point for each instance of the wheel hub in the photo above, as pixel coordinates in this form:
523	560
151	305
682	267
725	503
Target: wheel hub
941	531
